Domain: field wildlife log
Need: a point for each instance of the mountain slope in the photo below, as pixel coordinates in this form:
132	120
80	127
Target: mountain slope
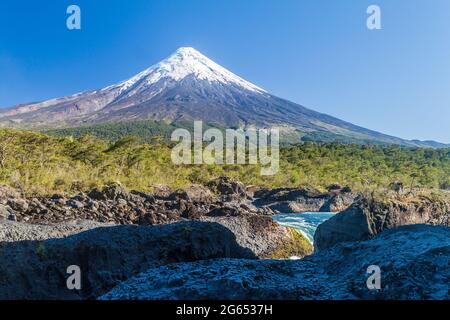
188	86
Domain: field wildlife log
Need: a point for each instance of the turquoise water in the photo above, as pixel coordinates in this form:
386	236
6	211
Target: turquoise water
306	223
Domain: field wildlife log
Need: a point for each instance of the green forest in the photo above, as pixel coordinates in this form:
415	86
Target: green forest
40	163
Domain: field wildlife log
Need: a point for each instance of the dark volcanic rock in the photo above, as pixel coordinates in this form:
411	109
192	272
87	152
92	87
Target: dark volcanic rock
97	194
114	204
15	231
339	202
106	256
227	187
225	211
161	192
194	193
7	193
4	212
365	219
414	263
290	200
18	204
263	236
115	191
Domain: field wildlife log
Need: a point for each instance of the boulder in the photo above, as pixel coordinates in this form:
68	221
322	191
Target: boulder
227	187
292	200
6	192
139	196
291	207
339	202
18	204
226	211
115	191
193	193
4	212
367	218
74	204
97	194
161	191
264	237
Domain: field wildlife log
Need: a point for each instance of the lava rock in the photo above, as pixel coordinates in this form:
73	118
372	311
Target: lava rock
367	218
107	256
413	260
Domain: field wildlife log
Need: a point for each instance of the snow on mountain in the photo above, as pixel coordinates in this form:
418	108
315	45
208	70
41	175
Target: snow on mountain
184	62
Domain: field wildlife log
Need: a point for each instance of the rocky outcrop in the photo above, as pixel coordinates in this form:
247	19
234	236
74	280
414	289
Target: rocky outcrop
228	188
11	231
106	256
114	204
367	218
264	237
7	192
290	200
413	261
193	193
53	217
41	236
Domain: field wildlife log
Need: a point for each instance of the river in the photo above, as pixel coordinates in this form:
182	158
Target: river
306	223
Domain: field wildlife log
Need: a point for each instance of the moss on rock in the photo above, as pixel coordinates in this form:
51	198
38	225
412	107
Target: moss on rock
296	246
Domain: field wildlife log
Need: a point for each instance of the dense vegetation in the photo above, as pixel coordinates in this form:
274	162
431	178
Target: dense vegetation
41	163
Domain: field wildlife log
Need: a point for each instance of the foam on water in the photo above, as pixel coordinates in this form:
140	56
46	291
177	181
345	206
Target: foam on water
306	223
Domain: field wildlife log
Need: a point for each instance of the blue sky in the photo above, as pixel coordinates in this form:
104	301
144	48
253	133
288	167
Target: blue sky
314	52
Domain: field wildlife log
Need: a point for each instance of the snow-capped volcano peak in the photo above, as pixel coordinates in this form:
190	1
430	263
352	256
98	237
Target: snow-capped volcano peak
187	86
188	52
187	61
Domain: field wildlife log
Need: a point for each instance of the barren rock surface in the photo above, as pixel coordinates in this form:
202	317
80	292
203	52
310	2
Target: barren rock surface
414	263
365	219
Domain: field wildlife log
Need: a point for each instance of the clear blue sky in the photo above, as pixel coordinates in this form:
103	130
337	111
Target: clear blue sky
313	52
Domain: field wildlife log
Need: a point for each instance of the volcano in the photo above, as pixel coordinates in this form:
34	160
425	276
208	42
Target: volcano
189	86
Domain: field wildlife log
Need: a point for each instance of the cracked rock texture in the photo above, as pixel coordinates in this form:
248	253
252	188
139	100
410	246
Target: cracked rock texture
414	262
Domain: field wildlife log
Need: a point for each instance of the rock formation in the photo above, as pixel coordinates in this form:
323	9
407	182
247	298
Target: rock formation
291	200
413	260
367	218
106	256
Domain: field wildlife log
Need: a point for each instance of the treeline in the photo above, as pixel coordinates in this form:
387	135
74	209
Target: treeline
45	164
147	130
